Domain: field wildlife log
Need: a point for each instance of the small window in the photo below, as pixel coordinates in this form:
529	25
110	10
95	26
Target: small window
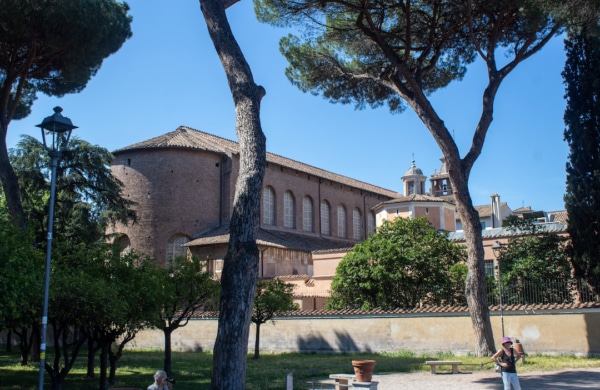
176	248
307	214
483	224
357	226
289	215
341	221
325	212
370	223
489	267
268	206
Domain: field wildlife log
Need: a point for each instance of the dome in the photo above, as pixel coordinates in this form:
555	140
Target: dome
413	170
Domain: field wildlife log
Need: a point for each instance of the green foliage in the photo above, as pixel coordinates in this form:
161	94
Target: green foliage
55	47
537	259
534	262
457	275
384	52
272	296
582	133
406	263
88	195
185	289
21	274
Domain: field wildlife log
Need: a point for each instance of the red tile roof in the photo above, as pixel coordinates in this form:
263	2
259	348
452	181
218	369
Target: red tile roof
272	238
187	138
426	310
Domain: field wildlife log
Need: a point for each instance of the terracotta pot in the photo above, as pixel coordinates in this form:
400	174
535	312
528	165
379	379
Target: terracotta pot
518	347
363	369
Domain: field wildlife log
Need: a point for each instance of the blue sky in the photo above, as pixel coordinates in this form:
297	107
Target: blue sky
168	74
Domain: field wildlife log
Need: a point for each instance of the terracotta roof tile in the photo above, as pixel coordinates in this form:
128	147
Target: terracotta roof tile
416	198
423	310
560	216
187	138
334	250
272	238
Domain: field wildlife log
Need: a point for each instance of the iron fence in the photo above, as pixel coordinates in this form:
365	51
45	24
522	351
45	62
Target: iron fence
542	292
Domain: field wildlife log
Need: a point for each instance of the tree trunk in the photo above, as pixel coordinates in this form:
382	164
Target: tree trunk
238	280
10	185
257	342
35	342
103	383
112	375
458	173
475	290
9	341
24	345
91	356
56	383
168	362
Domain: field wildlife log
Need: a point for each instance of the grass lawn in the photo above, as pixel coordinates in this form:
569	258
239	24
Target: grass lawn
192	369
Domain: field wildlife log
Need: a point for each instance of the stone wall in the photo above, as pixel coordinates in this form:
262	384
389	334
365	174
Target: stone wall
548	332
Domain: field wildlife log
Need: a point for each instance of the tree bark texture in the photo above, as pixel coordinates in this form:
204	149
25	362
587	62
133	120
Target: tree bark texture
91	357
257	342
475	287
9	341
10	186
238	280
103	382
112	374
168	354
458	173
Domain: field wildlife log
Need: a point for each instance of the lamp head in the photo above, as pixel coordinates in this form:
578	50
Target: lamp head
58	128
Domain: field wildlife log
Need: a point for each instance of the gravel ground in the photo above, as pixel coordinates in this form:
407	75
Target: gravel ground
561	380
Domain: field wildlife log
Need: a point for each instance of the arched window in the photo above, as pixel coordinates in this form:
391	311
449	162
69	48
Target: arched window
307	214
268	206
175	247
370	223
341	221
357	224
325	229
289	210
122	244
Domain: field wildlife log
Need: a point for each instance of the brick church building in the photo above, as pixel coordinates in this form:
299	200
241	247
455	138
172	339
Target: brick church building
183	183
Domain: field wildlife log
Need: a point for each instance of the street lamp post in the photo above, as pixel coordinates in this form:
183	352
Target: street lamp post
56	131
497	247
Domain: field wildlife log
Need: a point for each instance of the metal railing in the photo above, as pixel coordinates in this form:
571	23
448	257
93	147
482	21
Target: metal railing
547	292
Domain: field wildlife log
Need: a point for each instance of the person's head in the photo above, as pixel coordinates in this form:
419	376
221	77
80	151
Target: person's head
160	377
506	341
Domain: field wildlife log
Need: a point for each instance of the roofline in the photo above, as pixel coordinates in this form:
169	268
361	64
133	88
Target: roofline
520	234
378	190
167	147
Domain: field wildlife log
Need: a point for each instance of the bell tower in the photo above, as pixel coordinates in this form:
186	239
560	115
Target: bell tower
440	181
414	181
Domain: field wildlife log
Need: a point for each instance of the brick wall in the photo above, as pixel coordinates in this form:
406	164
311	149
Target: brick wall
180	191
175	191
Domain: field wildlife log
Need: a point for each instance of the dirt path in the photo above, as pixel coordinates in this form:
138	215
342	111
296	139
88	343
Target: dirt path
561	380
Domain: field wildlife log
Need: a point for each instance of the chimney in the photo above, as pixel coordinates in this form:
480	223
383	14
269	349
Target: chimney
496	214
